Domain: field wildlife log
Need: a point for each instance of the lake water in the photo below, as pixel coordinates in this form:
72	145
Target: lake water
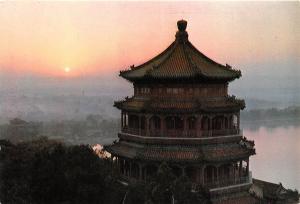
277	156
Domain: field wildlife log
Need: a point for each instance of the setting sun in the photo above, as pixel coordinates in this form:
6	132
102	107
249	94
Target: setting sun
67	69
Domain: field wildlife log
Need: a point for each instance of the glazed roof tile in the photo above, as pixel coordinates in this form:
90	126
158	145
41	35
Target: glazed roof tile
181	60
208	153
163	104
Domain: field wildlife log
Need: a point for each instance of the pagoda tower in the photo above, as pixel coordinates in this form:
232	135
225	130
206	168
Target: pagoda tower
181	114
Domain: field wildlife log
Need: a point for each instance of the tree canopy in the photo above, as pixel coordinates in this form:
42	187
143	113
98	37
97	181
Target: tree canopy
46	171
166	188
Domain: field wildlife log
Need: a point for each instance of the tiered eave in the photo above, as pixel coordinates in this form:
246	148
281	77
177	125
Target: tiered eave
181	60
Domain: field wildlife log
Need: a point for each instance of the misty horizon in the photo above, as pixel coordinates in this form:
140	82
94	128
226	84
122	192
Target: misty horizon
72	59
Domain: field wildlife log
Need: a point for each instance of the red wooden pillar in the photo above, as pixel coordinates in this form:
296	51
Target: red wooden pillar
185	126
122	120
140	172
162	126
198	125
130	167
210	125
217	175
147	120
238	121
247	167
203	174
183	171
233	172
140	125
240	169
125	117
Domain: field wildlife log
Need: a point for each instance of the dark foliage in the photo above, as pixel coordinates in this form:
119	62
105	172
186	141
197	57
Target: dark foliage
164	188
45	171
185	195
136	193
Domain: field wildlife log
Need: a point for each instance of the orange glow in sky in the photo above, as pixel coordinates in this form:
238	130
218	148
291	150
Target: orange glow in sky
101	37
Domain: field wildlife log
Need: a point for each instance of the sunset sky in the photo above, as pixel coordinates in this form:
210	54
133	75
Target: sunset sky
97	38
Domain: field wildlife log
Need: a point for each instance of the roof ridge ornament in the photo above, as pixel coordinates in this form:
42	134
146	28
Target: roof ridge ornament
181	34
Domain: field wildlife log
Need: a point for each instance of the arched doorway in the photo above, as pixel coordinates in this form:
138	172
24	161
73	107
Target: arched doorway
218	123
155	126
191	126
133	121
205	123
174	126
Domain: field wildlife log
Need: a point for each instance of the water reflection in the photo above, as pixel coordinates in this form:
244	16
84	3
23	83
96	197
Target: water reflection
278	154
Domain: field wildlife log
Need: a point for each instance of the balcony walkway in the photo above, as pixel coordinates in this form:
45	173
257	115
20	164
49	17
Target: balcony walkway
182	133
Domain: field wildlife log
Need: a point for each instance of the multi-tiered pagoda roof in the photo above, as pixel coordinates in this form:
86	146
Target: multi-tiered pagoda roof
180	105
213	152
181	60
181	113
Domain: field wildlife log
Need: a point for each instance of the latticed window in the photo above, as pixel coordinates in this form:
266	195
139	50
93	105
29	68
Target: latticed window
196	90
204	91
178	123
235	121
145	90
226	125
181	90
192	123
175	90
169	90
155	122
160	90
205	123
170	123
133	121
210	173
217	122
174	123
143	122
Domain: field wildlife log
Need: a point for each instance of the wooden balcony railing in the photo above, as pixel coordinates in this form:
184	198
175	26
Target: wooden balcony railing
134	131
155	133
181	133
227	182
209	133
